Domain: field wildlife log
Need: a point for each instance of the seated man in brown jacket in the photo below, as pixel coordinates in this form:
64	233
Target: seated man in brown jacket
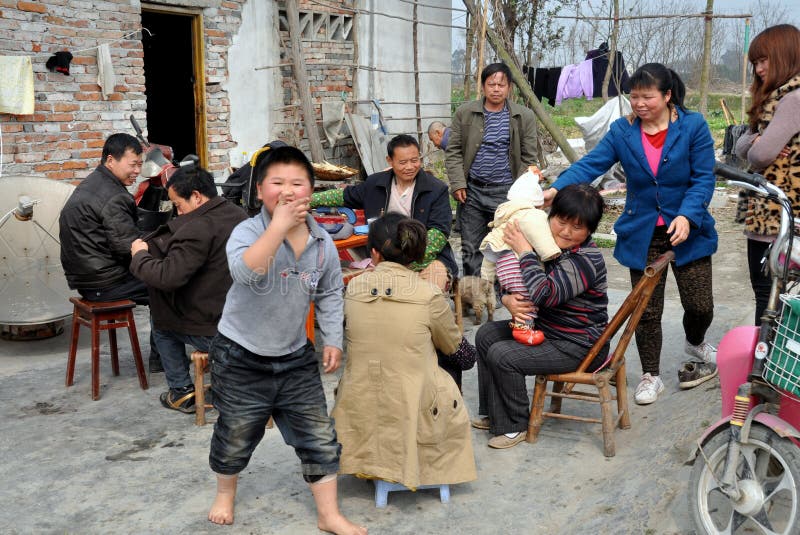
185	268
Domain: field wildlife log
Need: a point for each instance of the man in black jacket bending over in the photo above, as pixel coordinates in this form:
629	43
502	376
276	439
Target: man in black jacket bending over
185	268
97	226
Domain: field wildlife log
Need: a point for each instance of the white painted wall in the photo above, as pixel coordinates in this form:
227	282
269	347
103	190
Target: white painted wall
387	43
253	93
383	42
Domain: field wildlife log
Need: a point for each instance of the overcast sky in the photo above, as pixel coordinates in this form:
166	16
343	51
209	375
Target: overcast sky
720	6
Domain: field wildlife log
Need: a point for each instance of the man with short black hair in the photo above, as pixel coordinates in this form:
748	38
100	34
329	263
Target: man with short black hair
492	142
185	267
407	189
97	226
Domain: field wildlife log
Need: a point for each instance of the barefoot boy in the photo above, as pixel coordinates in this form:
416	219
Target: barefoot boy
262	365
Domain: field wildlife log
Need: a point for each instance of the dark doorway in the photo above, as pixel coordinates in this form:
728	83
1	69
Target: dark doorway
169	81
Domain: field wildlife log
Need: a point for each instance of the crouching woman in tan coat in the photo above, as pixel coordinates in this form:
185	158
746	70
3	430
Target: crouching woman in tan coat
398	416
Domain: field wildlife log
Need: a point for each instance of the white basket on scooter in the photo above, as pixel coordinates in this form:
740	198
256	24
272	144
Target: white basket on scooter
782	368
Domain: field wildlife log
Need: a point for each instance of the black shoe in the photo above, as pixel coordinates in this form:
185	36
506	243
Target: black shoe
181	399
154	363
693	373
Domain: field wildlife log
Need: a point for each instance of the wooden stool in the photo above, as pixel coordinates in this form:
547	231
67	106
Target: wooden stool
200	360
104	316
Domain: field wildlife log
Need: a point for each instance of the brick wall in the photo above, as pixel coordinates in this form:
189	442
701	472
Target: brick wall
328	52
64	137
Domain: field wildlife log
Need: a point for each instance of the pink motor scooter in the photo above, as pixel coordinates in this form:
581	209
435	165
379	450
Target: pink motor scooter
746	474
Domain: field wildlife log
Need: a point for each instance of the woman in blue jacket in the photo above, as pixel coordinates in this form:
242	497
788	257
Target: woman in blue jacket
668	156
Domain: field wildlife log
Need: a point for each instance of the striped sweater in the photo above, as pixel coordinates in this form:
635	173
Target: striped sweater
491	163
571	293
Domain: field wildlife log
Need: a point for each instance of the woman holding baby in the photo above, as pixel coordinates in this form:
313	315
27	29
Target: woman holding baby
570	294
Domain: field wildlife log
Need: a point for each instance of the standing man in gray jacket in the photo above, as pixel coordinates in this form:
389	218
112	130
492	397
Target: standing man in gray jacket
492	141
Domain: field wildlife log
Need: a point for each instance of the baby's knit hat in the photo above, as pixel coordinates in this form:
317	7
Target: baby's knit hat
527	188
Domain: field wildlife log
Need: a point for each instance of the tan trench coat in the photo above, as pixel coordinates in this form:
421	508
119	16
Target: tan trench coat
398	416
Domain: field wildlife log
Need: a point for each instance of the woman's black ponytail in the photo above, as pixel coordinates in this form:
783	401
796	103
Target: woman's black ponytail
398	238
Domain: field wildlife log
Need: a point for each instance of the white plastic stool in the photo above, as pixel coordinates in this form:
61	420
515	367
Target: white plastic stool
383	488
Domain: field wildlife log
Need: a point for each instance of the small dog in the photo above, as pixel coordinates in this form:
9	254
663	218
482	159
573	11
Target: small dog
480	294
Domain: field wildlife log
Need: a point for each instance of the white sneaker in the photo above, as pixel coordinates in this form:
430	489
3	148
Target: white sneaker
648	390
704	351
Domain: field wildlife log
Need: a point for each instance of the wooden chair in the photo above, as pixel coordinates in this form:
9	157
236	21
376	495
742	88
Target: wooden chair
103	316
563	383
457	304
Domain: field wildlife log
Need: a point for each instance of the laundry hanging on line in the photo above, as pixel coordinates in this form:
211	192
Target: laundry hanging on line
584	79
544	81
575	82
619	76
16	85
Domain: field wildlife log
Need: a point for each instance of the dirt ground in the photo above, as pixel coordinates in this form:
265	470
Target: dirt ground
124	464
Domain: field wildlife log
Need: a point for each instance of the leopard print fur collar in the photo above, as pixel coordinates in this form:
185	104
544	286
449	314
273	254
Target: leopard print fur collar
763	216
768	108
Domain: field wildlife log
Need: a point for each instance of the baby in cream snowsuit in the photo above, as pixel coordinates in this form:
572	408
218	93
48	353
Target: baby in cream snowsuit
499	261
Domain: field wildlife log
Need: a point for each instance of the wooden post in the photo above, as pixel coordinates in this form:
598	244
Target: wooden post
525	89
704	72
612	55
416	75
309	117
481	46
356	59
744	66
468	56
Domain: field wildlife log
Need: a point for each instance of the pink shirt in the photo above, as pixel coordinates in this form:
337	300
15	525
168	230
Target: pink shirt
653	145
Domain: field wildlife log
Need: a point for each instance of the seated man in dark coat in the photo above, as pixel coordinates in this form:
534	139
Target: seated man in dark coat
408	190
97	226
185	268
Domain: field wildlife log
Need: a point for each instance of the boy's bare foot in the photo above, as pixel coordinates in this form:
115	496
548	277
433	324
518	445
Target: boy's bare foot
328	516
339	525
222	509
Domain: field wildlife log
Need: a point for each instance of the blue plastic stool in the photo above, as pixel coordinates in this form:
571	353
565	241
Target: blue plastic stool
383	488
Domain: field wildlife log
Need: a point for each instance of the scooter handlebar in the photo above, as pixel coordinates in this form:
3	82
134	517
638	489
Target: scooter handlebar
734	173
138	131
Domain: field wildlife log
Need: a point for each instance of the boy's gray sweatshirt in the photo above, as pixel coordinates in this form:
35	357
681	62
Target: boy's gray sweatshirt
266	313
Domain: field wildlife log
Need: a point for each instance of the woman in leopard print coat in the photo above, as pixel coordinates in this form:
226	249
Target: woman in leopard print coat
772	144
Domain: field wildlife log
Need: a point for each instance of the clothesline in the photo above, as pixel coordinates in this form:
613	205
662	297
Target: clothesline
74	52
397	17
638	17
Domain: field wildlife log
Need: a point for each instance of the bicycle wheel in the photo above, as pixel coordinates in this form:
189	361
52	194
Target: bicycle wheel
767	473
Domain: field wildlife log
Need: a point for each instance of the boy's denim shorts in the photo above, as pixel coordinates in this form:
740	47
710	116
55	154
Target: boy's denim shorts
248	388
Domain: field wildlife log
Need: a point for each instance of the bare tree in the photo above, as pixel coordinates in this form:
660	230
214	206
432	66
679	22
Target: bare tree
768	13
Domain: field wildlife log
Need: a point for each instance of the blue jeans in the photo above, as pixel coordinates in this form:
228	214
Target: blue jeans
172	348
249	388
